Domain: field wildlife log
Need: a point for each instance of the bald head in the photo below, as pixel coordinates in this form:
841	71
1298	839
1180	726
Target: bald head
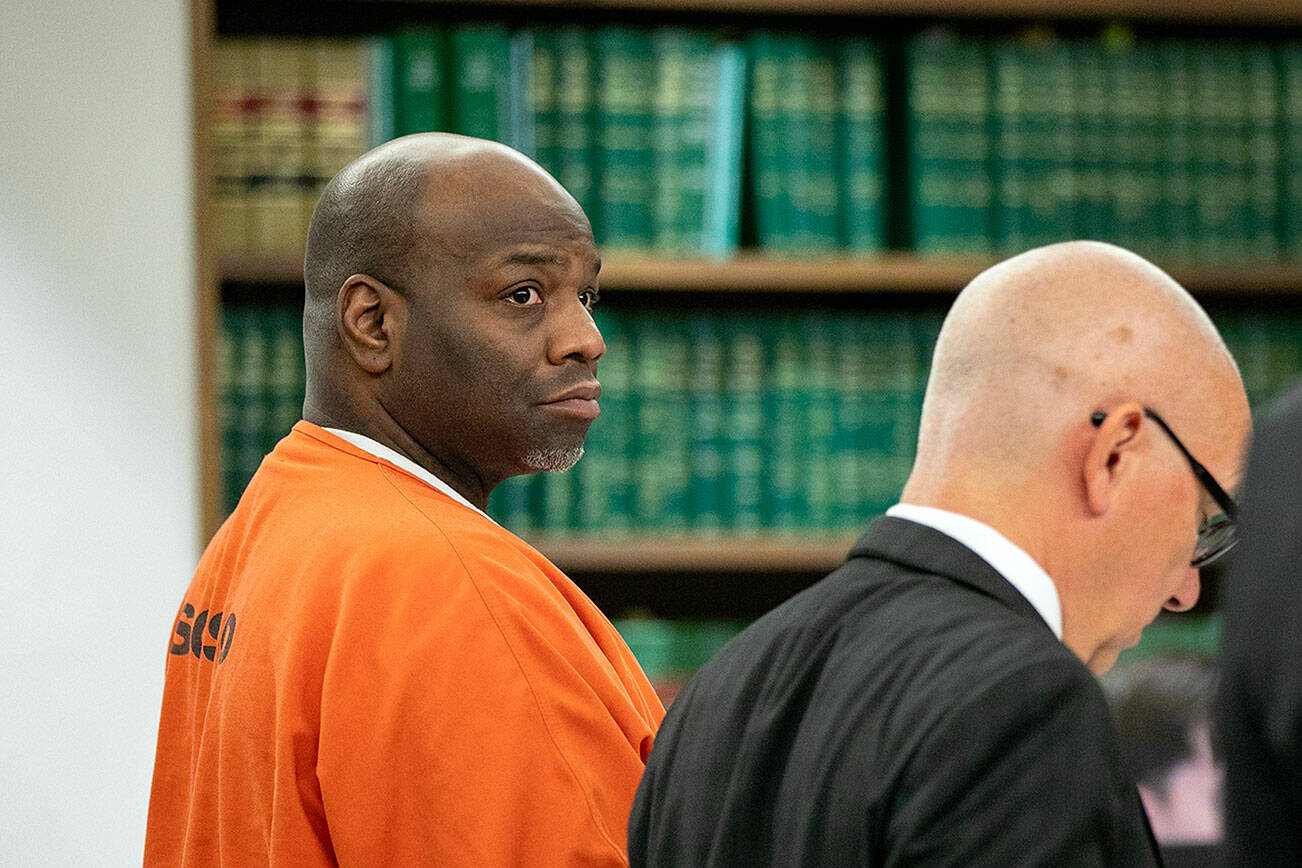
1035	343
1039	421
372	218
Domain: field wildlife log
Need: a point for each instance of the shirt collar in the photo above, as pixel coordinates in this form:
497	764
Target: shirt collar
379	450
1006	557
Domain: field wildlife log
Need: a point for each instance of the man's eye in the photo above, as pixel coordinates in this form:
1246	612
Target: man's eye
589	297
525	295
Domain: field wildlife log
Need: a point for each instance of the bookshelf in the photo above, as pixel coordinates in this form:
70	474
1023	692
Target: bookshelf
768	565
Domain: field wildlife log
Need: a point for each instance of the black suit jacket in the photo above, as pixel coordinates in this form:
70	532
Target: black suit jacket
1261	650
910	709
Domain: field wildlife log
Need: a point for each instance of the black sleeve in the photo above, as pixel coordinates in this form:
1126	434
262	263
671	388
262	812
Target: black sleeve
1028	772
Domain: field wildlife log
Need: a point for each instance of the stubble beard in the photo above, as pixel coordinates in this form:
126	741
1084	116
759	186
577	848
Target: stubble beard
557	458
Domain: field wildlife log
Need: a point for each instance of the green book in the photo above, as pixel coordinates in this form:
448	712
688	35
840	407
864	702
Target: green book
705	375
286	379
809	109
661	472
721	211
820	420
679	155
482	81
1093	141
950	150
509	505
421	62
766	143
382	83
543	99
1290	66
1176	111
1218	176
1034	96
786	453
604	474
576	128
743	424
1017	173
626	154
861	140
227	349
250	398
1262	130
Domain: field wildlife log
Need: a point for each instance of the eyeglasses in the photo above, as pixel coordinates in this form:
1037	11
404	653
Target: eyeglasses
1218	533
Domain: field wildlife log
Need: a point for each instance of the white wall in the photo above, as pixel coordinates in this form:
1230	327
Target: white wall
98	455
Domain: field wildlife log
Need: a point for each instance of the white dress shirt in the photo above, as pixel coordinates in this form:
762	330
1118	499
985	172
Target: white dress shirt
1006	557
379	450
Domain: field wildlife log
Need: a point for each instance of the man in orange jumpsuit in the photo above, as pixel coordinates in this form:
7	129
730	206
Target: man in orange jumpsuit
366	669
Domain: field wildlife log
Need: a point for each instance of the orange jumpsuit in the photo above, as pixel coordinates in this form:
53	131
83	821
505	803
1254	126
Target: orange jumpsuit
366	672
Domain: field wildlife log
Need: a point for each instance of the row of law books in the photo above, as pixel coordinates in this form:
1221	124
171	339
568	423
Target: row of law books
712	423
1184	150
670	651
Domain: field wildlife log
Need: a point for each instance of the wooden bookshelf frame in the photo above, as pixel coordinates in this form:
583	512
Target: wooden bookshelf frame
751	272
1245	12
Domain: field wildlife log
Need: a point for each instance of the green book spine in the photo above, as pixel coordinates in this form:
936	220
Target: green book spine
1091	132
950	148
855	402
660	467
1236	158
888	366
421	101
1290	64
556	489
227	351
1146	153
576	127
625	65
767	145
509	505
250	394
1055	117
286	380
809	117
1262	112
382	84
743	421
786	451
482	91
674	98
543	95
1217	168
230	130
1176	106
862	144
1017	172
720	224
605	490
820	421
705	375
521	131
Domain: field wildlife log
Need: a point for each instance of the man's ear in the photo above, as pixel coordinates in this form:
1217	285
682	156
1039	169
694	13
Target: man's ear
1110	454
371	318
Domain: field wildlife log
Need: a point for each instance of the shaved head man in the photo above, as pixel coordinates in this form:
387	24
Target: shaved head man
366	668
932	702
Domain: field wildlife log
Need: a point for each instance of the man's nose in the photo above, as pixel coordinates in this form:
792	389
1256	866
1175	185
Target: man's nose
1186	594
575	335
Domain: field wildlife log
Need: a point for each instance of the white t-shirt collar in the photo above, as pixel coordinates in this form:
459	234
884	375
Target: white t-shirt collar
1006	557
379	450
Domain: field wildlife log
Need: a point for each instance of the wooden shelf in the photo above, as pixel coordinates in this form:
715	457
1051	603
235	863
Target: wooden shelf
897	272
721	554
1190	11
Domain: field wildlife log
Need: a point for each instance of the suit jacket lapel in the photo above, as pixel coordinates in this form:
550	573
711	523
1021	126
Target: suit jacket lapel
918	547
